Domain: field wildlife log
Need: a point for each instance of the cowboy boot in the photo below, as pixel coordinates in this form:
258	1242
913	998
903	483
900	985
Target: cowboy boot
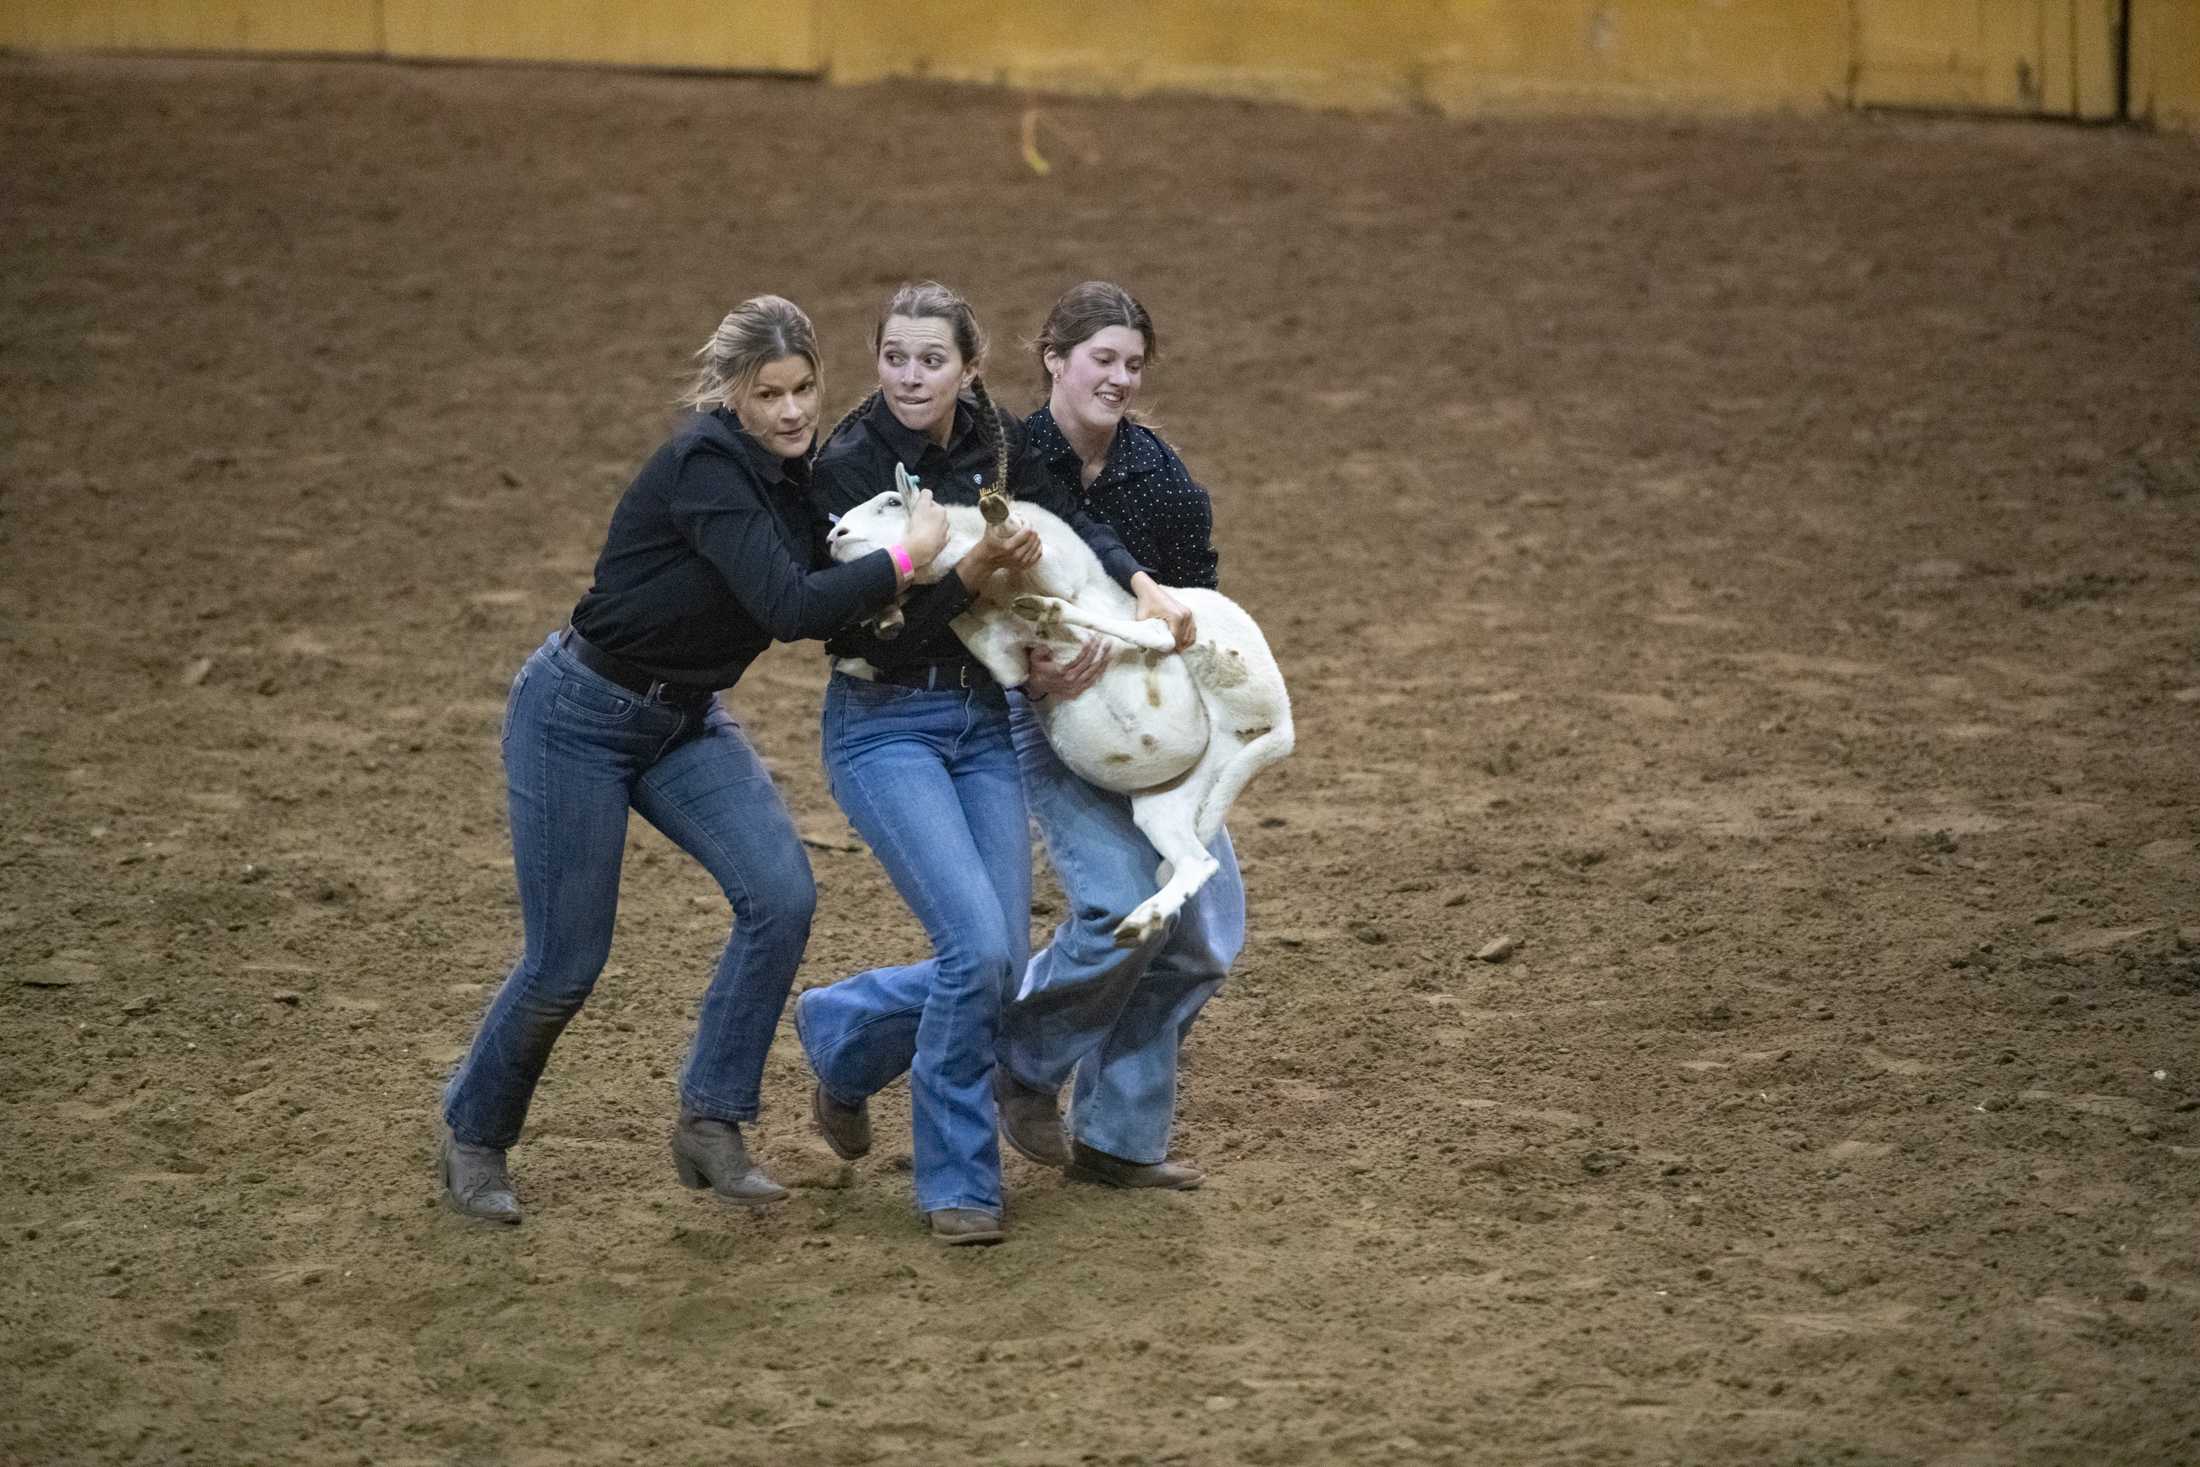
474	1181
710	1153
1031	1123
1088	1165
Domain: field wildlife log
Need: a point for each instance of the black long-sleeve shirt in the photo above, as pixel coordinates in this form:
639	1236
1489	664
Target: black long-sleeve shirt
859	464
709	557
1143	493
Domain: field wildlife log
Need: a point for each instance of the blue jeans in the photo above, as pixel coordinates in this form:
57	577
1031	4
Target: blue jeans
1114	1017
929	780
578	751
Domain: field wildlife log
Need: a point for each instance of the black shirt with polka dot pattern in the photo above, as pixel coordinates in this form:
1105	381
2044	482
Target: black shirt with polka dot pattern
1143	493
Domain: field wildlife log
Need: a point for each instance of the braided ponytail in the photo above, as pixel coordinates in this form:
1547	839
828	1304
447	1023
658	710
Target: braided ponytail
848	420
993	498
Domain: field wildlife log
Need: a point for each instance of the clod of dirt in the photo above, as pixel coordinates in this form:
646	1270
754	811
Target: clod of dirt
289	996
144	1003
196	672
1497	949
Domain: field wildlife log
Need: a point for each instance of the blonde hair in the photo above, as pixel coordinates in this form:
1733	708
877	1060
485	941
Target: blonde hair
754	334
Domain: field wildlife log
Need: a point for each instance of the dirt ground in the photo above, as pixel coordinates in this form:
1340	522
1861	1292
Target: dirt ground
1751	564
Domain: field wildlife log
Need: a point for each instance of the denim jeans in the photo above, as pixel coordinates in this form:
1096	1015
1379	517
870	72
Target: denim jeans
1115	1017
578	751
928	778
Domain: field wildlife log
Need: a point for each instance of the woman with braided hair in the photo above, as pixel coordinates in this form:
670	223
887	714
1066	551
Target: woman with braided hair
708	559
918	752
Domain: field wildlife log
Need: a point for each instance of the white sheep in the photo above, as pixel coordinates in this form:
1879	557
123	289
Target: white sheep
1181	734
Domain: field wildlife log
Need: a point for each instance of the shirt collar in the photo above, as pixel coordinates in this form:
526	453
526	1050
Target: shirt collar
907	444
1043	436
769	466
1054	449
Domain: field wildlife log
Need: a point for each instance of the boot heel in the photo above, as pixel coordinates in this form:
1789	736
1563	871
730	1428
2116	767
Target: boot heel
691	1175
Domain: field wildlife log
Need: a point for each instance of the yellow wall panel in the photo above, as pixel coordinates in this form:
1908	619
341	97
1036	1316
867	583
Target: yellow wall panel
1320	52
2165	63
721	35
2093	35
1648	54
1457	54
337	26
2053	57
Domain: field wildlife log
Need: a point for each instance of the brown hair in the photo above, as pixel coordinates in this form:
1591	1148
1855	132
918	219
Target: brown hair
1083	312
928	299
754	334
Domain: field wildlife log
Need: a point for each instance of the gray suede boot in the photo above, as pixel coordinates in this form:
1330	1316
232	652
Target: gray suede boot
474	1181
710	1153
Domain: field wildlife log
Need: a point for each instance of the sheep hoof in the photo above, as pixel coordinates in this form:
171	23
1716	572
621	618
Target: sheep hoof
1138	928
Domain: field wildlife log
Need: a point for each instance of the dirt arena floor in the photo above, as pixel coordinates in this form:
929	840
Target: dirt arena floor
1751	565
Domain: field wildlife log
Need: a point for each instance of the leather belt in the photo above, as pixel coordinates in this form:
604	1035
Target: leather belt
953	673
636	679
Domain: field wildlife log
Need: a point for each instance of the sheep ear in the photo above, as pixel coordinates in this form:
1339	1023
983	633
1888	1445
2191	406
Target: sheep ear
901	480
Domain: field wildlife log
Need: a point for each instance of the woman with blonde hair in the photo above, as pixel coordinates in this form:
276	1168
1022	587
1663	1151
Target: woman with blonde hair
706	562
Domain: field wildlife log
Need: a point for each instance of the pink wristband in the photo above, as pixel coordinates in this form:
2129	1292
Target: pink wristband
902	567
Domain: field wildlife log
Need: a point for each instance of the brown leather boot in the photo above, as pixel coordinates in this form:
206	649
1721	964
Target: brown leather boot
953	1227
1031	1120
1088	1165
846	1128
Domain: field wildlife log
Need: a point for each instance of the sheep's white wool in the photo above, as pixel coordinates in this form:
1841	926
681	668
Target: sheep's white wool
1180	733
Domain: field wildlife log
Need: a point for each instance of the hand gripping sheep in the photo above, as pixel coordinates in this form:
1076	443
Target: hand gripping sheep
1180	733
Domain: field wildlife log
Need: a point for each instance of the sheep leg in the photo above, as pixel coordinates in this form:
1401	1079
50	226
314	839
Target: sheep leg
1152	634
1165	817
996	643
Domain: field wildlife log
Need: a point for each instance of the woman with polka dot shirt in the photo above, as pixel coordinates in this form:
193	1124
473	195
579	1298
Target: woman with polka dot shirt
1110	1017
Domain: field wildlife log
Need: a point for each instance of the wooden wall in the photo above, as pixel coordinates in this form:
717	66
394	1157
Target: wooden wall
2043	57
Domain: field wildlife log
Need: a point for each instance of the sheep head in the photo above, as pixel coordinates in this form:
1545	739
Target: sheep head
883	520
878	522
